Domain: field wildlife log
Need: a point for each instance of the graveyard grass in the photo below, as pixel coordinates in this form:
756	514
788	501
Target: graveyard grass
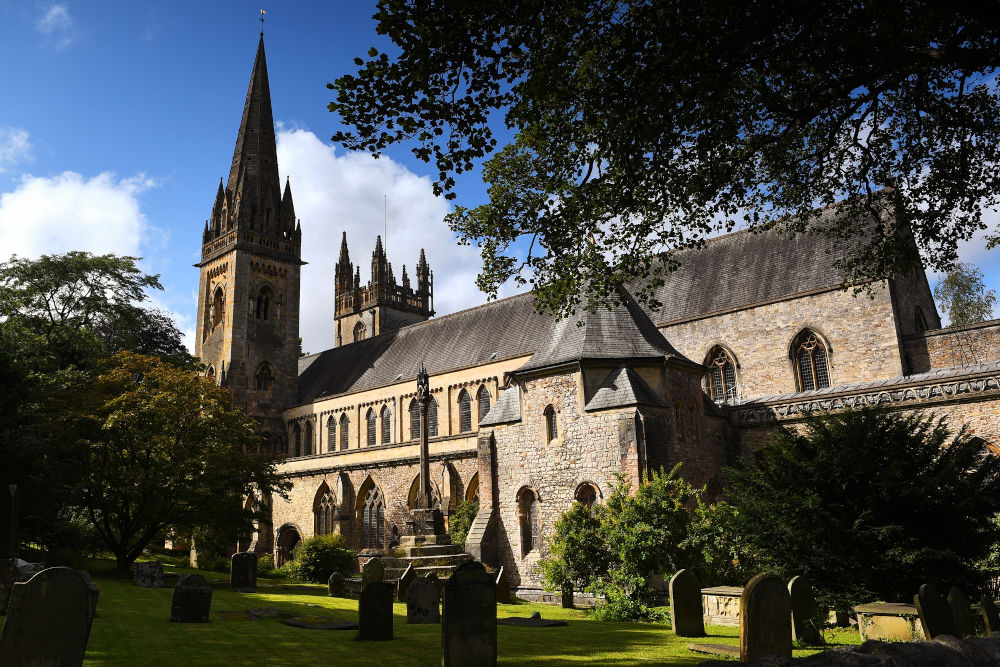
132	628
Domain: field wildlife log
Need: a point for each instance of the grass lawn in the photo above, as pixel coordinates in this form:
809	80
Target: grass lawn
131	628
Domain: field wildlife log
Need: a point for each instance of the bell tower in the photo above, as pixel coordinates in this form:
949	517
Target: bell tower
248	295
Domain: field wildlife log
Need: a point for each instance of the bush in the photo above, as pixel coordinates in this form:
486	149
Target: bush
724	557
265	563
317	557
579	554
461	520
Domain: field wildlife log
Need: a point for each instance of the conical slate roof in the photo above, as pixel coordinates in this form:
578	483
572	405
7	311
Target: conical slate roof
623	387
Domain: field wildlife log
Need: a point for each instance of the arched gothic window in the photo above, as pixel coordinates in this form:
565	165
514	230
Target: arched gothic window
264	377
264	299
551	427
809	354
721	375
373	521
218	310
331	434
360	331
484	402
210	373
432	418
344	439
295	443
528	520
308	449
587	494
386	425
326	509
370	418
464	412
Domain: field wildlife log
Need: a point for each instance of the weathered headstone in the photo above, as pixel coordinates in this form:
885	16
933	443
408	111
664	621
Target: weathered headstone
533	621
375	612
765	619
422	600
567	596
148	574
935	614
804	612
990	615
243	572
469	620
405	579
93	593
372	571
192	600
961	613
46	620
686	613
335	585
503	586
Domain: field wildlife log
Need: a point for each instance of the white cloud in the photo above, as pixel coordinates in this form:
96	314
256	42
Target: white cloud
334	193
56	26
15	147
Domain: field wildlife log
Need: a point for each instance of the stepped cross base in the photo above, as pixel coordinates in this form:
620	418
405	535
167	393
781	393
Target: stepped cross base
424	526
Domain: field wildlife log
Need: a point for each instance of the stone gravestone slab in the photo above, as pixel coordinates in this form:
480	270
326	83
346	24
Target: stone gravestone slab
192	600
335	585
804	612
686	613
422	599
765	619
503	586
935	614
567	596
989	611
149	574
243	572
93	593
961	613
405	579
373	570
469	620
375	612
46	620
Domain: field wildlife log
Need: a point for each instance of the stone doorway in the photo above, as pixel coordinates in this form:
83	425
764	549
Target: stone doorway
288	538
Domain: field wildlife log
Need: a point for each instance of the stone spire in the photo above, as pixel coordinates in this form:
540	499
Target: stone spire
343	271
287	210
423	273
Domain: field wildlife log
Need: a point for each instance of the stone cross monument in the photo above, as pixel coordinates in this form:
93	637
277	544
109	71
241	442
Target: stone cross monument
426	523
424	501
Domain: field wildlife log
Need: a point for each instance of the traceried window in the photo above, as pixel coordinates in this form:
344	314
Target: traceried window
264	377
370	418
264	300
414	420
373	521
811	367
295	444
432	419
721	375
528	520
308	449
331	434
218	310
325	511
360	331
464	412
551	426
484	402
344	439
386	425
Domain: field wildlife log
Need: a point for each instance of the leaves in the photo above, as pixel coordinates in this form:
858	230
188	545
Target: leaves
963	296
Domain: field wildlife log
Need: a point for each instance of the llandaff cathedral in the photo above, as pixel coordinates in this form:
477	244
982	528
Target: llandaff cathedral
528	414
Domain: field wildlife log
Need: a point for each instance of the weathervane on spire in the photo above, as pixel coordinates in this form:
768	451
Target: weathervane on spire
262	12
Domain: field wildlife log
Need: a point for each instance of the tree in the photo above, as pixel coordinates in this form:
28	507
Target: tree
578	555
162	447
963	296
870	505
639	126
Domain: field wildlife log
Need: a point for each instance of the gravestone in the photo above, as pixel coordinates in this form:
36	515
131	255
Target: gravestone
469	620
804	612
686	613
407	578
93	593
46	620
335	585
567	596
375	612
533	621
961	613
503	586
765	619
373	570
243	572
990	615
192	600
935	614
422	600
148	574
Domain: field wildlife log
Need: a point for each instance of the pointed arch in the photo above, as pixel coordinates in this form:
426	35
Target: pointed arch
551	423
386	425
528	519
307	441
218	307
411	496
344	432
360	331
810	356
295	441
325	510
483	399
265	300
371	515
264	377
464	412
722	381
414	419
331	434
472	491
370	420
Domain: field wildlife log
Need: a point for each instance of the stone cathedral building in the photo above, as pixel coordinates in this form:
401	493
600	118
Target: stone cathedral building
529	414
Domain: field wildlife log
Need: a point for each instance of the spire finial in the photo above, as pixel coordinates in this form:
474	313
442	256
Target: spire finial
262	12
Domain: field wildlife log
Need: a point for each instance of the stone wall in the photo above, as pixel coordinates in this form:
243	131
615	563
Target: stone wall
955	346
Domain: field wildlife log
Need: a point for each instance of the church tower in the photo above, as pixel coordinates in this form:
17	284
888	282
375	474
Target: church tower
248	311
383	305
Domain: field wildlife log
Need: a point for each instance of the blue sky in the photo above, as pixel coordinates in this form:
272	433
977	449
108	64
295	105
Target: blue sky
117	120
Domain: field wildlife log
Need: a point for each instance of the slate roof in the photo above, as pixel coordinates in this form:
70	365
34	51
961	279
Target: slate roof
506	410
623	387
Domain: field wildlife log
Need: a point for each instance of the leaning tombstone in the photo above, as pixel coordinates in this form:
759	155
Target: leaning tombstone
405	579
335	585
148	574
503	586
93	593
989	611
469	620
192	600
765	619
961	613
935	614
375	612
686	613
804	612
422	600
46	620
243	572
372	571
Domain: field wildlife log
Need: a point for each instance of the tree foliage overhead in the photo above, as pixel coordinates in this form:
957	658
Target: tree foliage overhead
963	296
640	126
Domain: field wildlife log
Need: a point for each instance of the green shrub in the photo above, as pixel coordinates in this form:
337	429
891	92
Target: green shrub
461	520
265	563
317	557
578	553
